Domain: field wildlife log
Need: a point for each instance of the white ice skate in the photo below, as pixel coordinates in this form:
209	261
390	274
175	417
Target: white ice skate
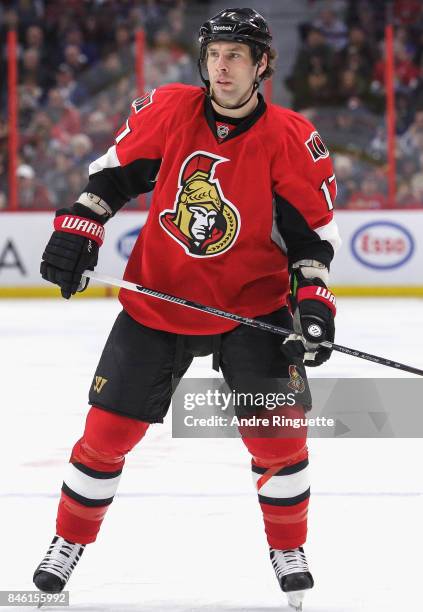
55	569
293	575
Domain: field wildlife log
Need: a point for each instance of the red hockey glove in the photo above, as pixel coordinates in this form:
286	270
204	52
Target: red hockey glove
72	248
314	310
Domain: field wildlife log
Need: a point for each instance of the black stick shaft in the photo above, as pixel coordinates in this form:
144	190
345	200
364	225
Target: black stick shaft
274	329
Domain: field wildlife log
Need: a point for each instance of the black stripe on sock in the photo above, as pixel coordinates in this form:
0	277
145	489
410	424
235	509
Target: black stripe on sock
284	501
289	469
95	473
85	501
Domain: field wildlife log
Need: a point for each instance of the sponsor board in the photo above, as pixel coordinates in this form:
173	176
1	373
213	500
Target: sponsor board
382	245
380	248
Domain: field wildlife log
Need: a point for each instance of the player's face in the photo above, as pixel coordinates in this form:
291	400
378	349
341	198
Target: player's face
231	71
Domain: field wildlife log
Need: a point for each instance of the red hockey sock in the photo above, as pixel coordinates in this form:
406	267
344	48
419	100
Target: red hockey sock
93	473
280	473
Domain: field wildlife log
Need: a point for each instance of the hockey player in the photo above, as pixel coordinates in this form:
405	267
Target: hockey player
241	217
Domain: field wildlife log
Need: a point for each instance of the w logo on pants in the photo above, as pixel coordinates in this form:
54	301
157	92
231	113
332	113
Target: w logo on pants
99	383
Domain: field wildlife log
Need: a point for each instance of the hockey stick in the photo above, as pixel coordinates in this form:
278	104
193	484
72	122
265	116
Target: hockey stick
274	329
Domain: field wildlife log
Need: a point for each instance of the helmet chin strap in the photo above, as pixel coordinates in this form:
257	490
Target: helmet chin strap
209	91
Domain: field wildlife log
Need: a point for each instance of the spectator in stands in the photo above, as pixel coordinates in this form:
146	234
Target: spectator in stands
407	167
115	104
75	59
40	128
408	12
350	86
105	102
167	50
75	37
370	195
369	19
32	71
34	39
123	45
105	74
72	91
56	178
404	112
100	129
349	130
77	179
81	149
411	141
358	54
32	193
418	56
410	193
159	70
92	38
184	37
403	38
417	190
406	73
37	142
345	180
29	96
333	29
29	12
65	117
310	80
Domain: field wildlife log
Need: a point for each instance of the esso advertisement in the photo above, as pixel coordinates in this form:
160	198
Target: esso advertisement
382	245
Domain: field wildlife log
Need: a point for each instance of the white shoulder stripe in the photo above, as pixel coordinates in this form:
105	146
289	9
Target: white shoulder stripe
108	160
330	233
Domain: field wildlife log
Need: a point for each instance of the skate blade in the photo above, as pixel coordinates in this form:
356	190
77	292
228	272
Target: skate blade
295	600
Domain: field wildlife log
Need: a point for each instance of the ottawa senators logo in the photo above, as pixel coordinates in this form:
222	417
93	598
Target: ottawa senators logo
139	103
316	147
296	381
202	221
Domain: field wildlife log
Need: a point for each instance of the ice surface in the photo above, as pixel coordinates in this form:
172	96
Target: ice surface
185	533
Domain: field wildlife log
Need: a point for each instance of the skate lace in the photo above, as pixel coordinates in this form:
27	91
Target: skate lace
61	557
288	561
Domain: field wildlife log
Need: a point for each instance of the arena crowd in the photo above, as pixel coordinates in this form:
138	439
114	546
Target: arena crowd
76	78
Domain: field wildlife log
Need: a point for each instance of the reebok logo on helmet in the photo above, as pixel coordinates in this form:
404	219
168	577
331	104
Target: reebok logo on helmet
225	28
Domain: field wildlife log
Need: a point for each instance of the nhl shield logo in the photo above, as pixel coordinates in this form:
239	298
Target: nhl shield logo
222	131
202	221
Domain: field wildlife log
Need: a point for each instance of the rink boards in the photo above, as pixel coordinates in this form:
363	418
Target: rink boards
381	252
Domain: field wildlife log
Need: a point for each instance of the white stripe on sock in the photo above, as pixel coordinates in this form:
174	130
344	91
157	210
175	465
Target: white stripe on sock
290	485
87	486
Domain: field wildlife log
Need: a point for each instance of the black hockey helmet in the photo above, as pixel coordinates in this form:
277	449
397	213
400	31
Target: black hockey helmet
243	25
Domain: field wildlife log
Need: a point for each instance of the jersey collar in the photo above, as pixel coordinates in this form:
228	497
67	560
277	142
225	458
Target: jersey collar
242	127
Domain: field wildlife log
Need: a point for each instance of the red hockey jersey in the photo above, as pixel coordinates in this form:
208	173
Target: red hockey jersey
231	207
